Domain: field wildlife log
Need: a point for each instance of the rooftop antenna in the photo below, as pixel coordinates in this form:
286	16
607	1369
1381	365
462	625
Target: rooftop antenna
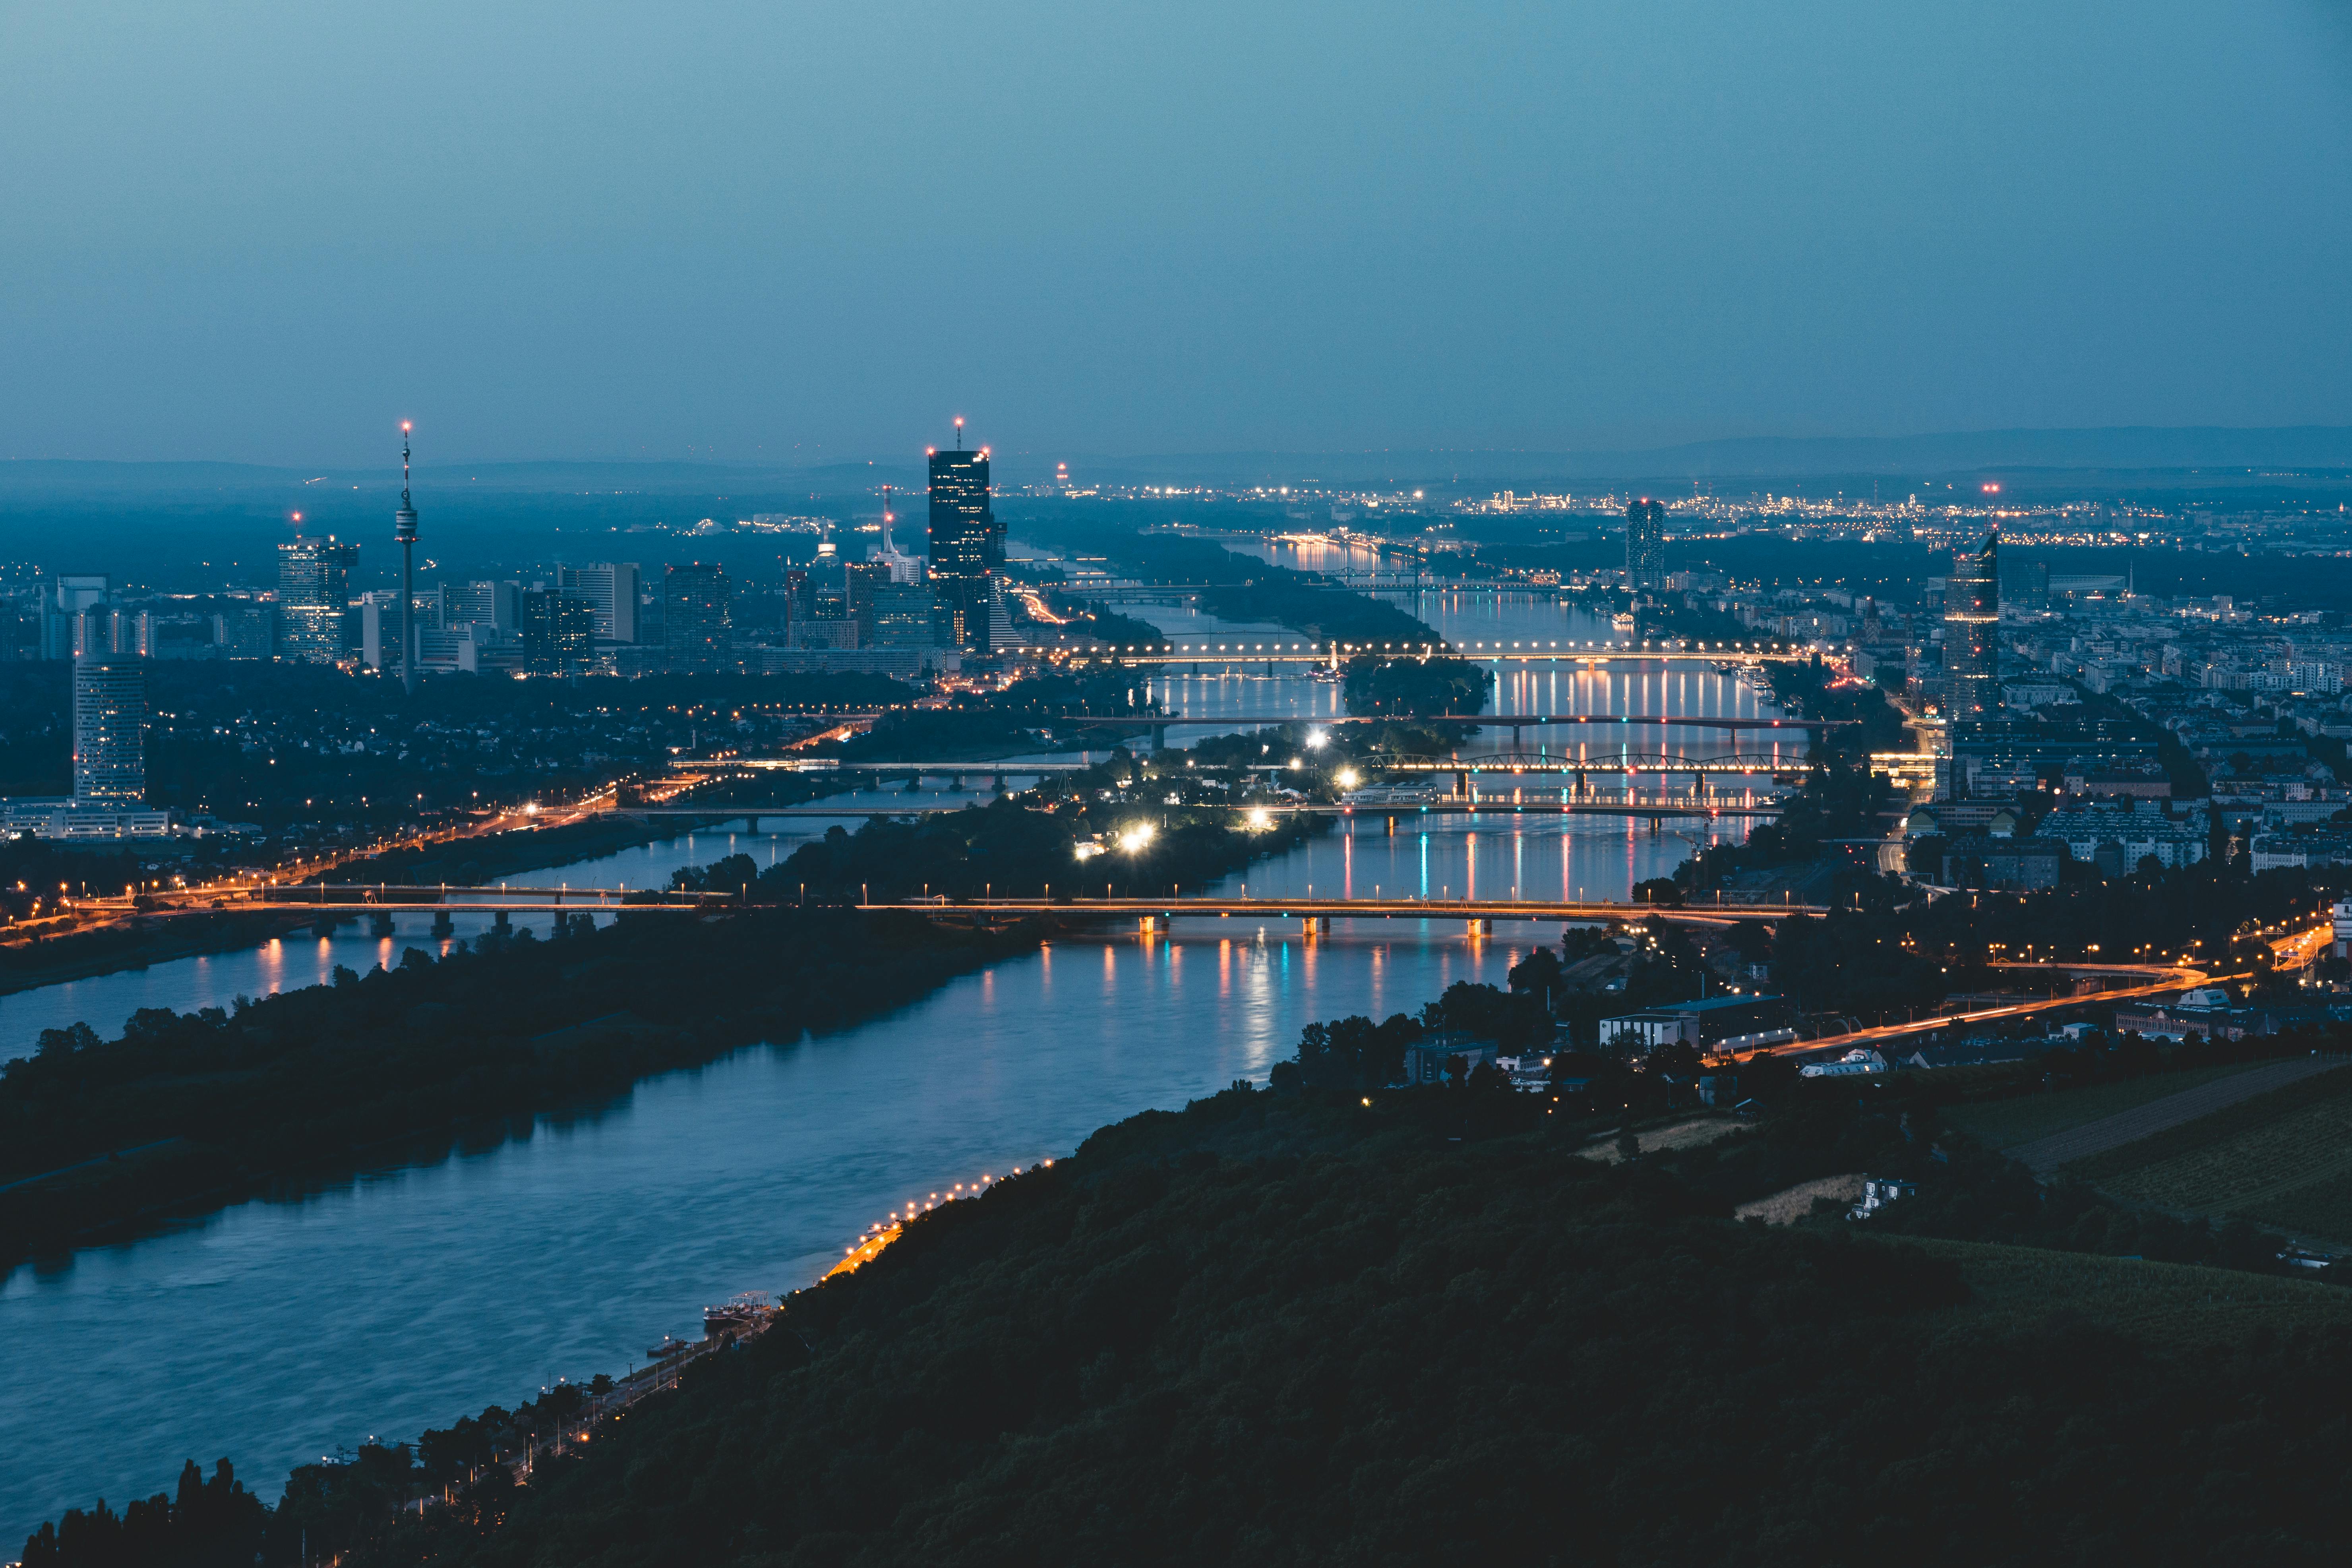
959	432
403	531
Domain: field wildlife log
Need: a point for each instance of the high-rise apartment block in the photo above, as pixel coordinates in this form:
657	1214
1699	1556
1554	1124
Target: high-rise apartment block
1972	631
697	628
314	589
1645	545
110	713
559	632
610	589
967	545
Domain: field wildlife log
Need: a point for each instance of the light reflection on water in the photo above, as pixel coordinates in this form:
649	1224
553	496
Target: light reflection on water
280	1329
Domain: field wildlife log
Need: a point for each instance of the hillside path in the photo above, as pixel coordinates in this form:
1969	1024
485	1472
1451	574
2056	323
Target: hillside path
2045	1155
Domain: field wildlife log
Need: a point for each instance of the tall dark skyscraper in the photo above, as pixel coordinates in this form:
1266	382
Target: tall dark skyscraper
967	545
559	632
314	589
697	624
1645	545
1972	631
110	713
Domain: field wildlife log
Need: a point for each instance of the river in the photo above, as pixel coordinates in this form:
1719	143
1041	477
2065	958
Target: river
282	1328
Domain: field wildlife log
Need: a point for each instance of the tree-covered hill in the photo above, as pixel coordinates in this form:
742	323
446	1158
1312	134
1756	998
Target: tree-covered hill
1290	1329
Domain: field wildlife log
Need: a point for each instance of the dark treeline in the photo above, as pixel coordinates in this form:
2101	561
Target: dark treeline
1378	685
975	725
1294	1329
186	1110
1009	849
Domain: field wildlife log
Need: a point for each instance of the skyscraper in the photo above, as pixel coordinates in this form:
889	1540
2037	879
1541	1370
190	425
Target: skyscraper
558	632
696	626
1972	631
110	759
314	589
1645	545
610	589
966	546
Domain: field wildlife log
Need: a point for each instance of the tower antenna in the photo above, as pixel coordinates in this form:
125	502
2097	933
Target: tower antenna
403	533
959	432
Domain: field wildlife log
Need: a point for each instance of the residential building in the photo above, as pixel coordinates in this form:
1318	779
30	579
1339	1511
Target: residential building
110	754
610	589
697	629
488	604
250	633
558	632
2116	837
1984	861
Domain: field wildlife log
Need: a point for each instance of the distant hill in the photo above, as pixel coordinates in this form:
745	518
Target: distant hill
2134	449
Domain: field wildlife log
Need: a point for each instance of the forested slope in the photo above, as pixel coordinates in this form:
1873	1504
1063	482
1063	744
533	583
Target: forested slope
1272	1329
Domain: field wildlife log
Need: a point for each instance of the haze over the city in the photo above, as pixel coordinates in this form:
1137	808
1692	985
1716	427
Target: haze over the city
789	232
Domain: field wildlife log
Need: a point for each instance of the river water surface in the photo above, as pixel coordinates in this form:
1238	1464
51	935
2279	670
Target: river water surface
282	1328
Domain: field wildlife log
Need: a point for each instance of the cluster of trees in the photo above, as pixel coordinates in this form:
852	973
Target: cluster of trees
202	1106
213	1523
1379	683
1291	1326
1004	849
978	725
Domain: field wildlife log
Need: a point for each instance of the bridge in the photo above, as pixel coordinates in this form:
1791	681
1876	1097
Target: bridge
1512	722
1598	802
1152	915
1242	649
1314	915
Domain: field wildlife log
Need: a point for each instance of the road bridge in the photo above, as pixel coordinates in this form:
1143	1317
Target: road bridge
1491	804
1512	722
1314	915
1151	914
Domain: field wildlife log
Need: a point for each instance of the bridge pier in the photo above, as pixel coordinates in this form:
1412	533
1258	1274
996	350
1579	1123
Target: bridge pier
379	925
1461	784
1151	925
1313	926
1481	927
501	923
444	928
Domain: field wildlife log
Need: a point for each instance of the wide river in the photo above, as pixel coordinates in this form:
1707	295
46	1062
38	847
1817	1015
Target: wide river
283	1329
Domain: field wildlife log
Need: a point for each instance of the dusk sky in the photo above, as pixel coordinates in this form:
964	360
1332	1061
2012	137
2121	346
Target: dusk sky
786	232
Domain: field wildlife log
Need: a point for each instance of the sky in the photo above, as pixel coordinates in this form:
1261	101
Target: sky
776	232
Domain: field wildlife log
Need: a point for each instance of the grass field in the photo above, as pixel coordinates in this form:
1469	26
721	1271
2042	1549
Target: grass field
2287	1151
2006	1123
2170	1305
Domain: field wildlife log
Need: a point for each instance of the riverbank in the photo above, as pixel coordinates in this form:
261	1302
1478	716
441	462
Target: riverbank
134	943
185	1112
1245	1330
